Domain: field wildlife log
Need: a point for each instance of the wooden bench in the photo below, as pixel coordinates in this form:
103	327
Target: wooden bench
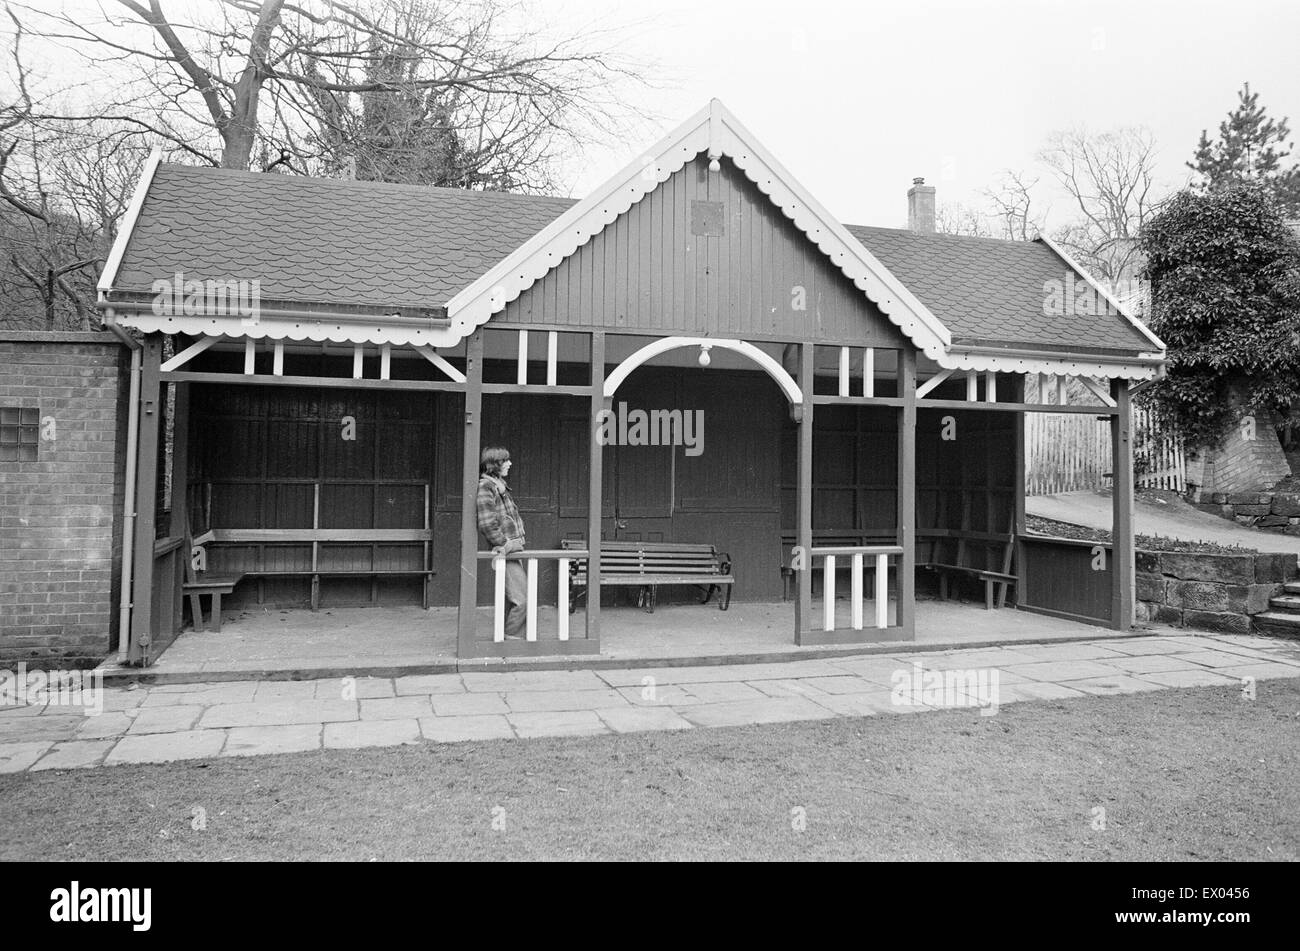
201	583
647	565
948	552
831	538
315	568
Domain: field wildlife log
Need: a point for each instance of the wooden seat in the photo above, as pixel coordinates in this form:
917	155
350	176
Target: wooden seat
949	554
647	565
215	586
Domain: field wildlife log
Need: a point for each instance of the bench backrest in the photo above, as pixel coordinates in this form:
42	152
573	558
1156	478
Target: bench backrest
624	557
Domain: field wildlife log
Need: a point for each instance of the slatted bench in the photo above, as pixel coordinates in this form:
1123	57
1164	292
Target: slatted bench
316	567
947	552
647	565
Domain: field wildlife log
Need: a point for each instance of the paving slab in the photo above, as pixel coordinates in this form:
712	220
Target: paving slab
1058	671
545	700
1149	645
356	688
166	747
429	683
105	725
396	708
468	704
17	757
1115	684
867	704
75	754
1151	663
362	733
35	728
1212	659
257	740
657	695
1017	693
202	694
286	690
719	674
724	692
558	723
766	710
534	680
279	713
462	729
641	719
1065	652
1191	678
1269	671
170	719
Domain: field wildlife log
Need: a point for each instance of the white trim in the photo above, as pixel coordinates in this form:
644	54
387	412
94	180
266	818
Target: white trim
663	345
359	329
1096	391
933	382
1120	308
188	354
109	274
1062	365
715	130
436	359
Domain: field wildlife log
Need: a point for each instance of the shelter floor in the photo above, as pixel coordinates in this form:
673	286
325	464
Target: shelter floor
385	641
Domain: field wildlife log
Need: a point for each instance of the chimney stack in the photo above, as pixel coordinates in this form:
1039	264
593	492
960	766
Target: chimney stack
920	206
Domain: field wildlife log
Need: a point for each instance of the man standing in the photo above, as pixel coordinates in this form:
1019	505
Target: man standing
499	522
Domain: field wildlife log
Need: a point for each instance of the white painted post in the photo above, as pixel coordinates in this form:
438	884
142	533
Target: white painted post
828	594
990	387
882	591
1061	380
844	371
562	602
522	376
499	601
532	599
972	386
552	356
869	372
855	574
385	360
250	355
277	366
358	356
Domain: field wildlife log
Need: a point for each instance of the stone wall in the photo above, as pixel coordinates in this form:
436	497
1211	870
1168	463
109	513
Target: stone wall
1208	591
1269	511
61	496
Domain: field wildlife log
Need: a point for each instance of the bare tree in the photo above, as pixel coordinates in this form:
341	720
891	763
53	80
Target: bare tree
955	218
1109	178
242	79
1013	207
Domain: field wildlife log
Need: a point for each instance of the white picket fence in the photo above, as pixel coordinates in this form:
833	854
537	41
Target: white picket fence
1070	453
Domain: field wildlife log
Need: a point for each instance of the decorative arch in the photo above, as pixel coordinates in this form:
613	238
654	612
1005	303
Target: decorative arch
651	350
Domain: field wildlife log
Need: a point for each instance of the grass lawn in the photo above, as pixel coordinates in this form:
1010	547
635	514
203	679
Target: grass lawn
1182	775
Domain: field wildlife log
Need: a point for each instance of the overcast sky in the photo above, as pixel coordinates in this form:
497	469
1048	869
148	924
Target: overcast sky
856	98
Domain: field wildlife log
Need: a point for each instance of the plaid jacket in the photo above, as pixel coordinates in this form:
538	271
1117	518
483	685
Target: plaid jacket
498	516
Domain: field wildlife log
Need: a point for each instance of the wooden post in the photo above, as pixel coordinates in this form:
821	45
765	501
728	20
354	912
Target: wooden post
179	522
907	493
1019	386
146	490
804	496
467	616
1122	557
595	502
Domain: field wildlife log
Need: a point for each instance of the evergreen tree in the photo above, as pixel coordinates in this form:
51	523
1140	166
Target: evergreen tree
1251	147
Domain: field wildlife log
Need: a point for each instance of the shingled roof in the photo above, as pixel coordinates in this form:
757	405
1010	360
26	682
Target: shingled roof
350	244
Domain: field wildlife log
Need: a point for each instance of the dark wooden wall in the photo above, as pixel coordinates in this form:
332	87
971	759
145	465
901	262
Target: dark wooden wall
257	454
705	252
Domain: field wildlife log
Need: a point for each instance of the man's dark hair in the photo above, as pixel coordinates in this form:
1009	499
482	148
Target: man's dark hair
490	461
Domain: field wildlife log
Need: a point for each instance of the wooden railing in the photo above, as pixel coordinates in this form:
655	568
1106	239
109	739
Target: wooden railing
856	555
563	559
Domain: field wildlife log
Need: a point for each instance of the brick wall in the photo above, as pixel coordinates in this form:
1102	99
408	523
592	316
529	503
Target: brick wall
1243	464
60	515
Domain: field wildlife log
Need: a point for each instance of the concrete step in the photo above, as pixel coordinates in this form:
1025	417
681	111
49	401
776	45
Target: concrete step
1287	602
1277	622
1292	587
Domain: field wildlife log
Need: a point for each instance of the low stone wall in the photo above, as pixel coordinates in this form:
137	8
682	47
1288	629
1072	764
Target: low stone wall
1271	511
1208	591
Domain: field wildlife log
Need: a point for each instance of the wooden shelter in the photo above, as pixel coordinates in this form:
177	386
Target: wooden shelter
340	351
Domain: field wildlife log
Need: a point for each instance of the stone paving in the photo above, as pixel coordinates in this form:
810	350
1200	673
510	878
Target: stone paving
153	724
